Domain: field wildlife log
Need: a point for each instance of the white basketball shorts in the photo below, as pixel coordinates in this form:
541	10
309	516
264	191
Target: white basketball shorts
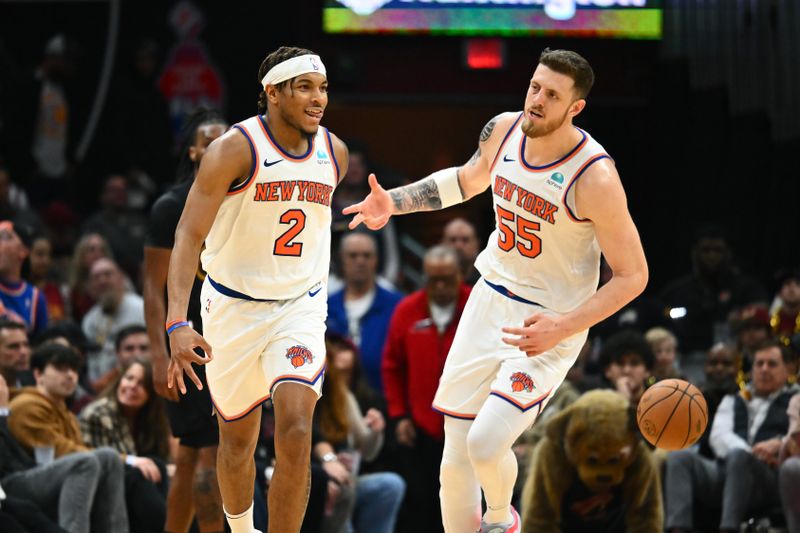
258	345
480	364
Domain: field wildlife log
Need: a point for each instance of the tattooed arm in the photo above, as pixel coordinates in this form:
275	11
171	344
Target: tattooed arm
440	189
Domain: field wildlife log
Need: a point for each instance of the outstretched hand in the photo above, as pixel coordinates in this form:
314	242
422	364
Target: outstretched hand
538	334
374	210
182	343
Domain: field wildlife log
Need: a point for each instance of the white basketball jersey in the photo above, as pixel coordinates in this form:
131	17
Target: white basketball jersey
541	250
271	238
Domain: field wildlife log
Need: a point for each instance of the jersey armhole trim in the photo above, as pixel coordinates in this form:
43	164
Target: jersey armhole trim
505	139
236	189
329	142
570	213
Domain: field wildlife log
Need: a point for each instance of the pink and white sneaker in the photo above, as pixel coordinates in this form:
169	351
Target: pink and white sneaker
512	527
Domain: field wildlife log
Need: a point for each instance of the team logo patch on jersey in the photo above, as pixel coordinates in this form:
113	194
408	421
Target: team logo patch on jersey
299	355
520	381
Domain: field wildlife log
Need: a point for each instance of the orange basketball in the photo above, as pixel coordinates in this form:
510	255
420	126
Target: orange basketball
297	360
672	414
516	386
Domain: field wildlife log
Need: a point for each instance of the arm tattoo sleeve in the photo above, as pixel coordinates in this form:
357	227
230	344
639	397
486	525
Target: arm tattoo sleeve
420	196
488	129
475	157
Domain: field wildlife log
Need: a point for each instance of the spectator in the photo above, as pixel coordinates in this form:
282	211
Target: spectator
19	300
344	356
665	349
39	418
751	326
785	319
746	438
370	501
130	418
71	335
131	343
627	363
14	201
39	274
362	309
702	301
15	354
115	309
420	334
461	235
722	369
352	187
90	248
122	227
789	473
40	490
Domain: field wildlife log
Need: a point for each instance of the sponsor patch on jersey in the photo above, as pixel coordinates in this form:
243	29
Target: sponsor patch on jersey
556	180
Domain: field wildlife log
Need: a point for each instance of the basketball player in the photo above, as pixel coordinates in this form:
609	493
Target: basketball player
261	203
559	203
193	489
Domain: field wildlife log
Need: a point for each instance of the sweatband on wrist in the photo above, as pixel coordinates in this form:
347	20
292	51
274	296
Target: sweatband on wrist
291	68
175	324
130	460
449	189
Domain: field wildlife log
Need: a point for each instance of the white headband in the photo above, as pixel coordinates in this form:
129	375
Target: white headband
292	68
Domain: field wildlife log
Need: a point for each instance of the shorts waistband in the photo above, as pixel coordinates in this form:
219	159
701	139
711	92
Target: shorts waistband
222	289
508	294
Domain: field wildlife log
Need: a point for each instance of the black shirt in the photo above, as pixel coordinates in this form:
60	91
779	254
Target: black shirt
164	219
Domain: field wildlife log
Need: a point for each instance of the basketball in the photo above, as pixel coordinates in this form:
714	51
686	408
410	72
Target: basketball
672	414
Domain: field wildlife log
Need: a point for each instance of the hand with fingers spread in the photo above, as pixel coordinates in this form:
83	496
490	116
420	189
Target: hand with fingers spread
374	210
182	343
539	333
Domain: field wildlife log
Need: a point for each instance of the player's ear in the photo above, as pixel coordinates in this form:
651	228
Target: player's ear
272	93
193	154
576	107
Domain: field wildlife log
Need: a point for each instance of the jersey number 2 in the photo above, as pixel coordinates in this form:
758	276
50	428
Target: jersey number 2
284	244
526	242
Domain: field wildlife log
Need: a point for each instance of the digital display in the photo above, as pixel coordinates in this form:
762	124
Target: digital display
623	19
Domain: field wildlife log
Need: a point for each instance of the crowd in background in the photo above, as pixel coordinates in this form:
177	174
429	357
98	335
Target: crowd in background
80	420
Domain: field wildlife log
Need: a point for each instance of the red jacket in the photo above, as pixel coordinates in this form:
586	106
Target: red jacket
413	359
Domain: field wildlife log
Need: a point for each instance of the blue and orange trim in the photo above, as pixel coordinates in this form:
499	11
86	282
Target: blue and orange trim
572	153
289	157
453	414
505	139
240	187
589	162
257	403
519	405
329	143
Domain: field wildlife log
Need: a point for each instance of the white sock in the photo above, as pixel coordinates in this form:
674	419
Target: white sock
460	494
489	442
242	522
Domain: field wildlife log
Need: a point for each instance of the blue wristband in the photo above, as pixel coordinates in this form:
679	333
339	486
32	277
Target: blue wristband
175	326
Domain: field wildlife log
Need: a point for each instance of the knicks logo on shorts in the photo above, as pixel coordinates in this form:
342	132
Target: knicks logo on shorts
520	381
299	355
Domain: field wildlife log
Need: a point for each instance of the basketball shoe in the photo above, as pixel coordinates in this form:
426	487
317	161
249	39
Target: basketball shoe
512	527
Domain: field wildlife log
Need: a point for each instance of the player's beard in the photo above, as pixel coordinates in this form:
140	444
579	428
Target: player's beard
533	131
